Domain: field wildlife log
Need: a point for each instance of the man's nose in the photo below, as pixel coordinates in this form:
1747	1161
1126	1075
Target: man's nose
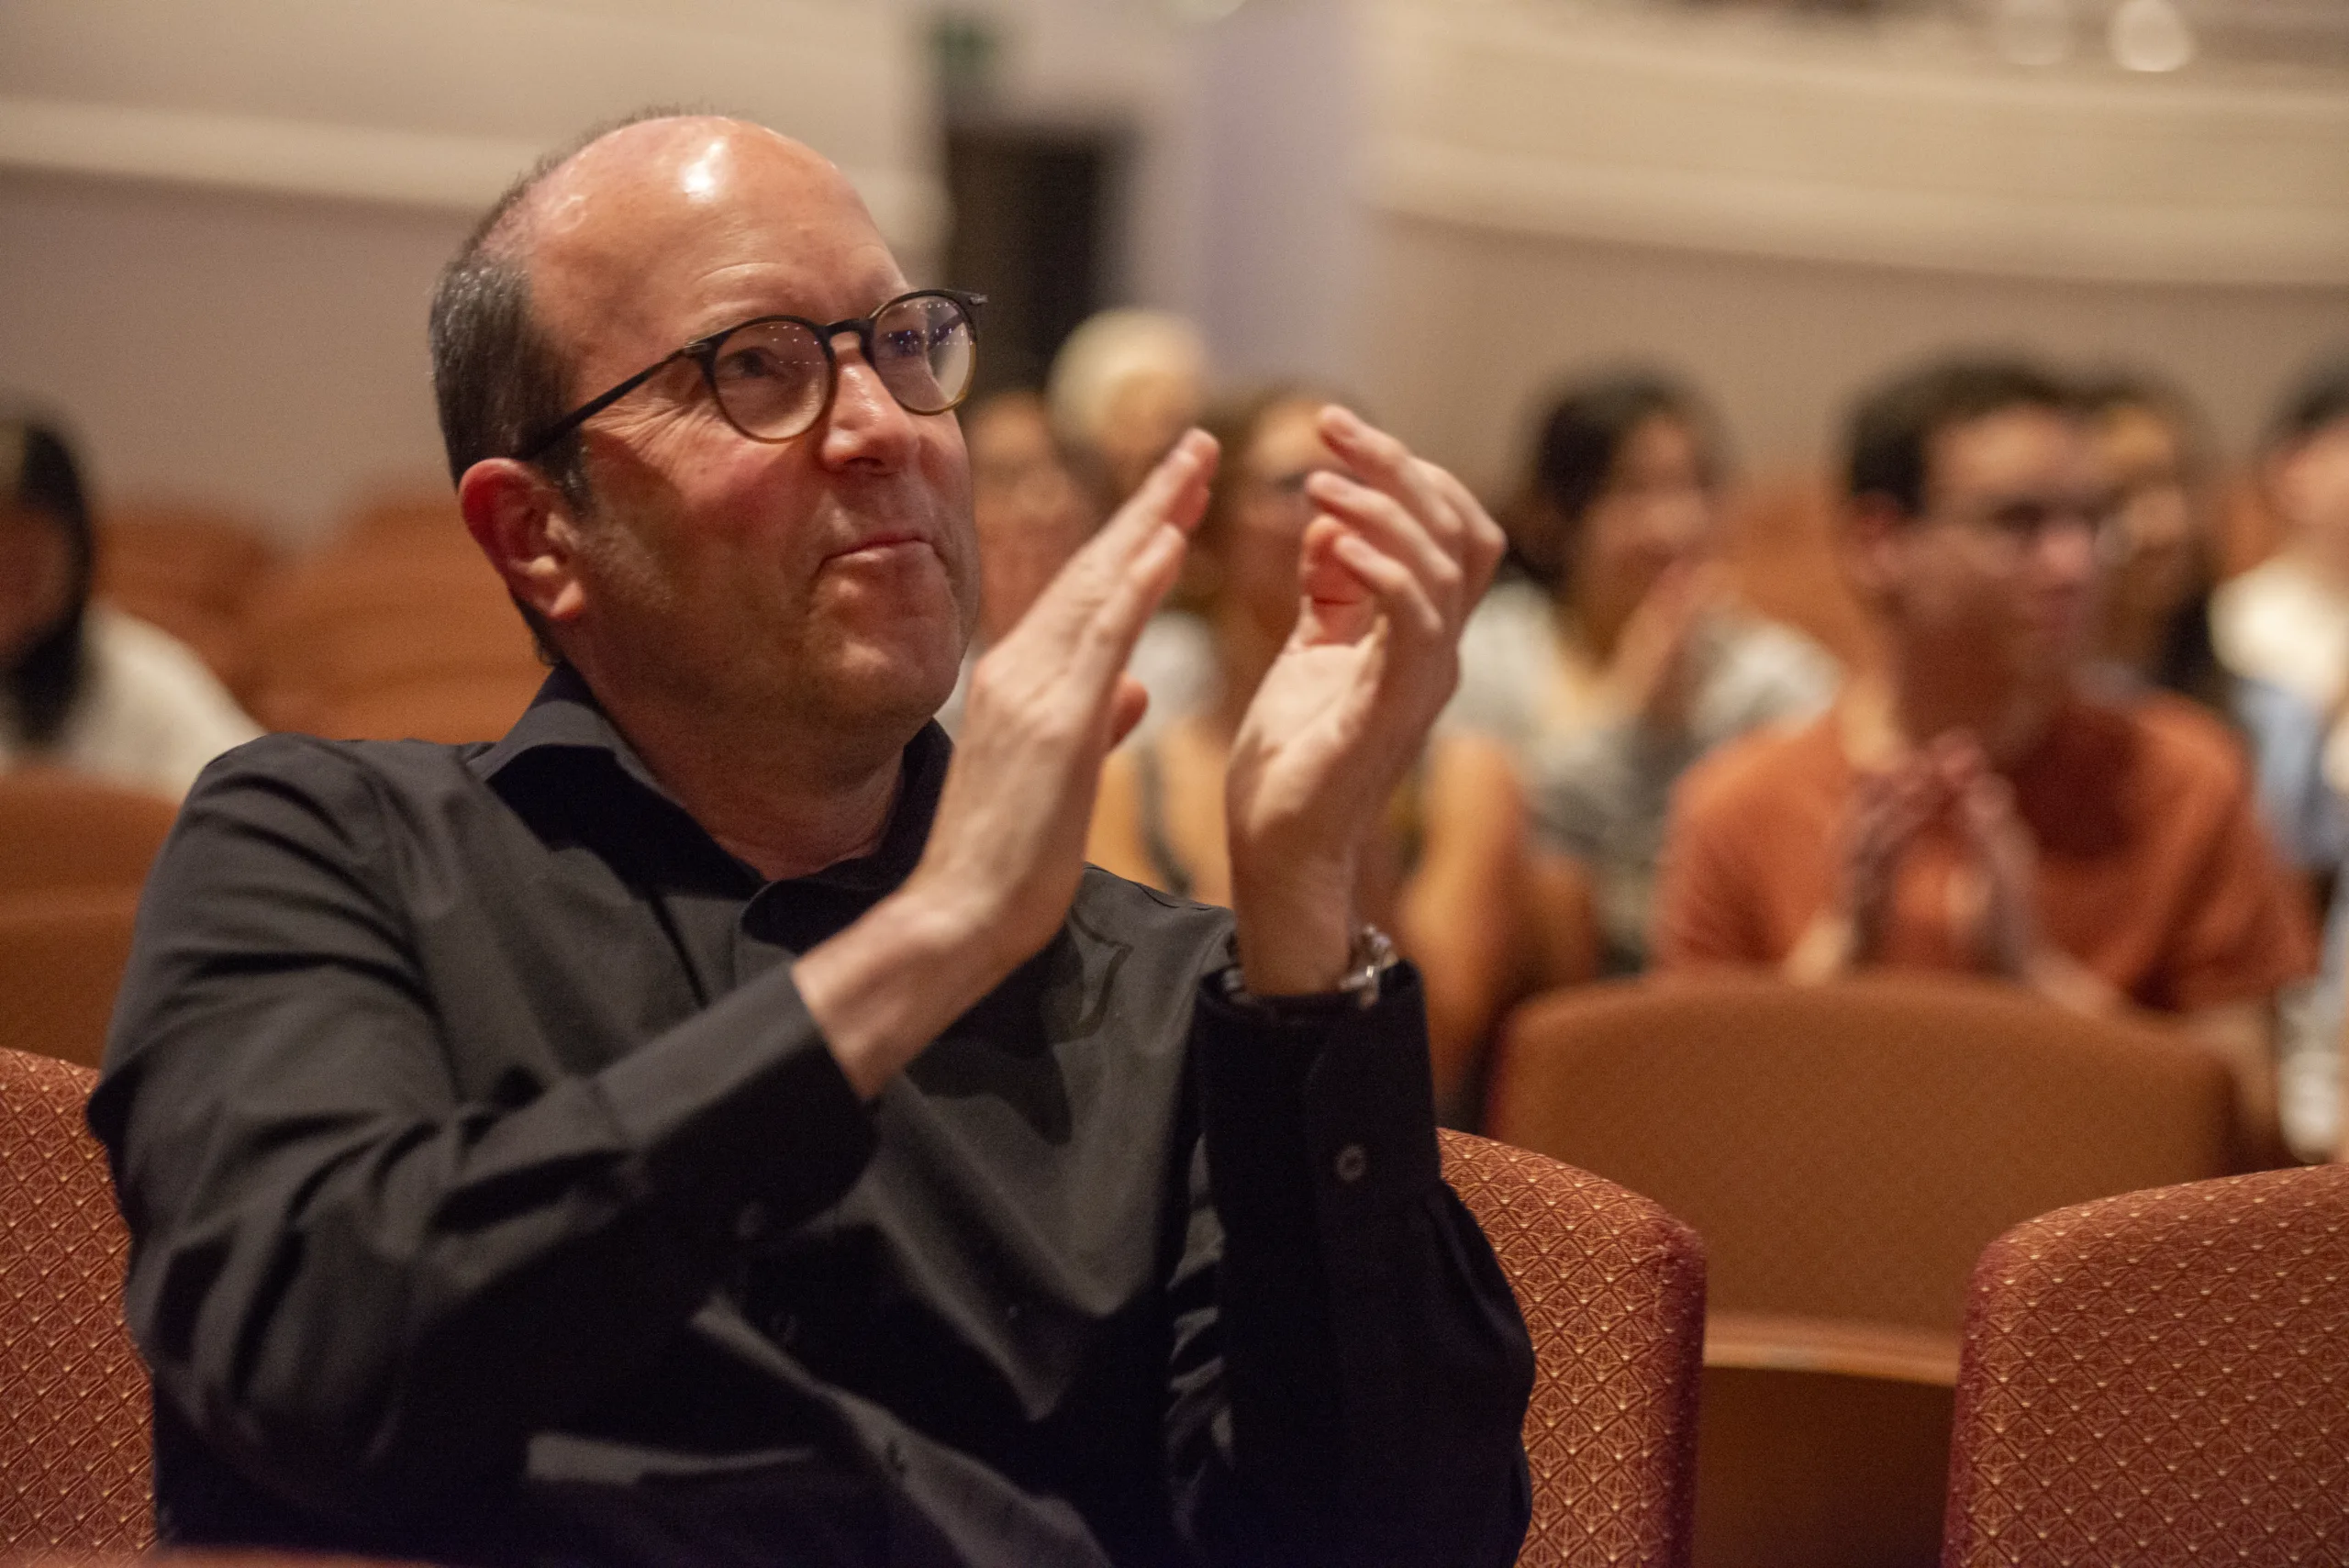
865	424
2066	550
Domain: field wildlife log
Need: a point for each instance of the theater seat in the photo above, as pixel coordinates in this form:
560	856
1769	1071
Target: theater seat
62	960
74	1444
1847	1153
1612	1289
2161	1378
60	830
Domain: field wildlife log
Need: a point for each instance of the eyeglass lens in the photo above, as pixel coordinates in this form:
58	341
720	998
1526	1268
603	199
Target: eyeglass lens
773	377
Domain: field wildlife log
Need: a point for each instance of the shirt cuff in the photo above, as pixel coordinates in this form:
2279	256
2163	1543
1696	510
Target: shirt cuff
1351	1087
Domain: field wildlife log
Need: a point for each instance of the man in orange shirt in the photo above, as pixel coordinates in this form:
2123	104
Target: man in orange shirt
1970	807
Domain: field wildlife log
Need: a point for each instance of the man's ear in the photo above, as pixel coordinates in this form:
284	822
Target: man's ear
1872	526
529	531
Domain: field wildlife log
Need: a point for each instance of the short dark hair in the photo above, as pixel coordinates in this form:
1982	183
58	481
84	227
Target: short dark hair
496	376
42	476
1892	426
1580	438
2319	400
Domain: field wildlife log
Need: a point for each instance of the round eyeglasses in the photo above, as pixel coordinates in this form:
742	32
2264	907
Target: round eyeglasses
773	377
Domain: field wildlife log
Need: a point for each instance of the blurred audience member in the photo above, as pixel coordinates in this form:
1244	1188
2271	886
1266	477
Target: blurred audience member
1636	659
1032	506
1454	852
1124	386
2153	625
2286	620
1978	807
85	687
1034	503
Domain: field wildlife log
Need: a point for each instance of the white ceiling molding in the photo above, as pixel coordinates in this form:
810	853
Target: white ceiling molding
1530	116
360	163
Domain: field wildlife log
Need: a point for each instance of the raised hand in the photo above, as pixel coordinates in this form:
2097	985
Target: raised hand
1007	848
1396	554
1654	675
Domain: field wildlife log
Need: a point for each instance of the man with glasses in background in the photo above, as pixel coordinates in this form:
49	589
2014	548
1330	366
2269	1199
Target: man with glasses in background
723	1122
1967	807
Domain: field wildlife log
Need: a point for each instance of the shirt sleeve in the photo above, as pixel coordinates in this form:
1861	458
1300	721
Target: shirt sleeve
2248	930
354	1284
1349	1372
1705	911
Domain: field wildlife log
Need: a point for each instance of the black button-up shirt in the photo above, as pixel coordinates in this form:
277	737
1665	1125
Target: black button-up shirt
493	1199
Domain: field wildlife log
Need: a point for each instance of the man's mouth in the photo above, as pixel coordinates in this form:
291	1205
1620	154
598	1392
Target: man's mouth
881	545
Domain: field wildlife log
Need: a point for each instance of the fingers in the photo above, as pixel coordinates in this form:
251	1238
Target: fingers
1410	508
1089	616
1400	591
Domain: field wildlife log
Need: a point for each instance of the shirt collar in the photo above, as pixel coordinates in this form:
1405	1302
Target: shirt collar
566	766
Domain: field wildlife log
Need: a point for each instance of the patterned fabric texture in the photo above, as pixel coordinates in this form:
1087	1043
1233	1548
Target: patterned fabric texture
1613	1292
1612	1289
2161	1378
74	1443
1847	1150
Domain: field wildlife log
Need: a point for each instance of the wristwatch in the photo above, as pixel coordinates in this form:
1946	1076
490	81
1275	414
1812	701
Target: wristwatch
1368	958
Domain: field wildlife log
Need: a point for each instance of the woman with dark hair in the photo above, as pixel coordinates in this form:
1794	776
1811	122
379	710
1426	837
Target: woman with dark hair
1627	657
83	687
1450	877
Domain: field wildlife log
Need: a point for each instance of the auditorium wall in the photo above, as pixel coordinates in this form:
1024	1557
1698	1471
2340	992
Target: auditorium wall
220	220
1783	210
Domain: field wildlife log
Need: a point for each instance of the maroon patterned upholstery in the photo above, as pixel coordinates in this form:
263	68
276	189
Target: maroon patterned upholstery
1612	1289
1613	1292
73	1445
2160	1378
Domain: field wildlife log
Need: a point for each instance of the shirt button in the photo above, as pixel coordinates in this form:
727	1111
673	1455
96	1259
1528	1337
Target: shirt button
1352	1162
750	1221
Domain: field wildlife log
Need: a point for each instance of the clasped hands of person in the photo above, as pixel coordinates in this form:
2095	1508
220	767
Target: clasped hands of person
1395	557
1993	908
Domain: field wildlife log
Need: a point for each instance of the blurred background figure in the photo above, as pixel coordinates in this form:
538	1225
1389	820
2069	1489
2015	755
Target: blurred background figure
2284	627
1123	387
1976	807
2287	619
1451	879
1624	655
85	687
1030	505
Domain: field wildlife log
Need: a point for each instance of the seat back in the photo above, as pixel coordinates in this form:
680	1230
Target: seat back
73	1400
189	571
62	960
1846	1152
2159	1377
393	608
1612	1289
60	830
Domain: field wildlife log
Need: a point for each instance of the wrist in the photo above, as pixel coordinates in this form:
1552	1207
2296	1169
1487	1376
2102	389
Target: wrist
856	986
1296	932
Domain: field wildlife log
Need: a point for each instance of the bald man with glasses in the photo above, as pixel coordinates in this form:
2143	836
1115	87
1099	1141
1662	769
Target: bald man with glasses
724	1122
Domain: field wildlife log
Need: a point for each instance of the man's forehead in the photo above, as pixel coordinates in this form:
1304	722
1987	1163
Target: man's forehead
1999	445
621	227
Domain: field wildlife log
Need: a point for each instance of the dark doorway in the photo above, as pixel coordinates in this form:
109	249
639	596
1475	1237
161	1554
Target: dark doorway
1032	209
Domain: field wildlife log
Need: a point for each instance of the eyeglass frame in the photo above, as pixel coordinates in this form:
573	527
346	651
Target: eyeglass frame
703	351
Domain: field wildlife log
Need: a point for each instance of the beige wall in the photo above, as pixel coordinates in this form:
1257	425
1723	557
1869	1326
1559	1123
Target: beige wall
1782	212
220	219
1463	328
